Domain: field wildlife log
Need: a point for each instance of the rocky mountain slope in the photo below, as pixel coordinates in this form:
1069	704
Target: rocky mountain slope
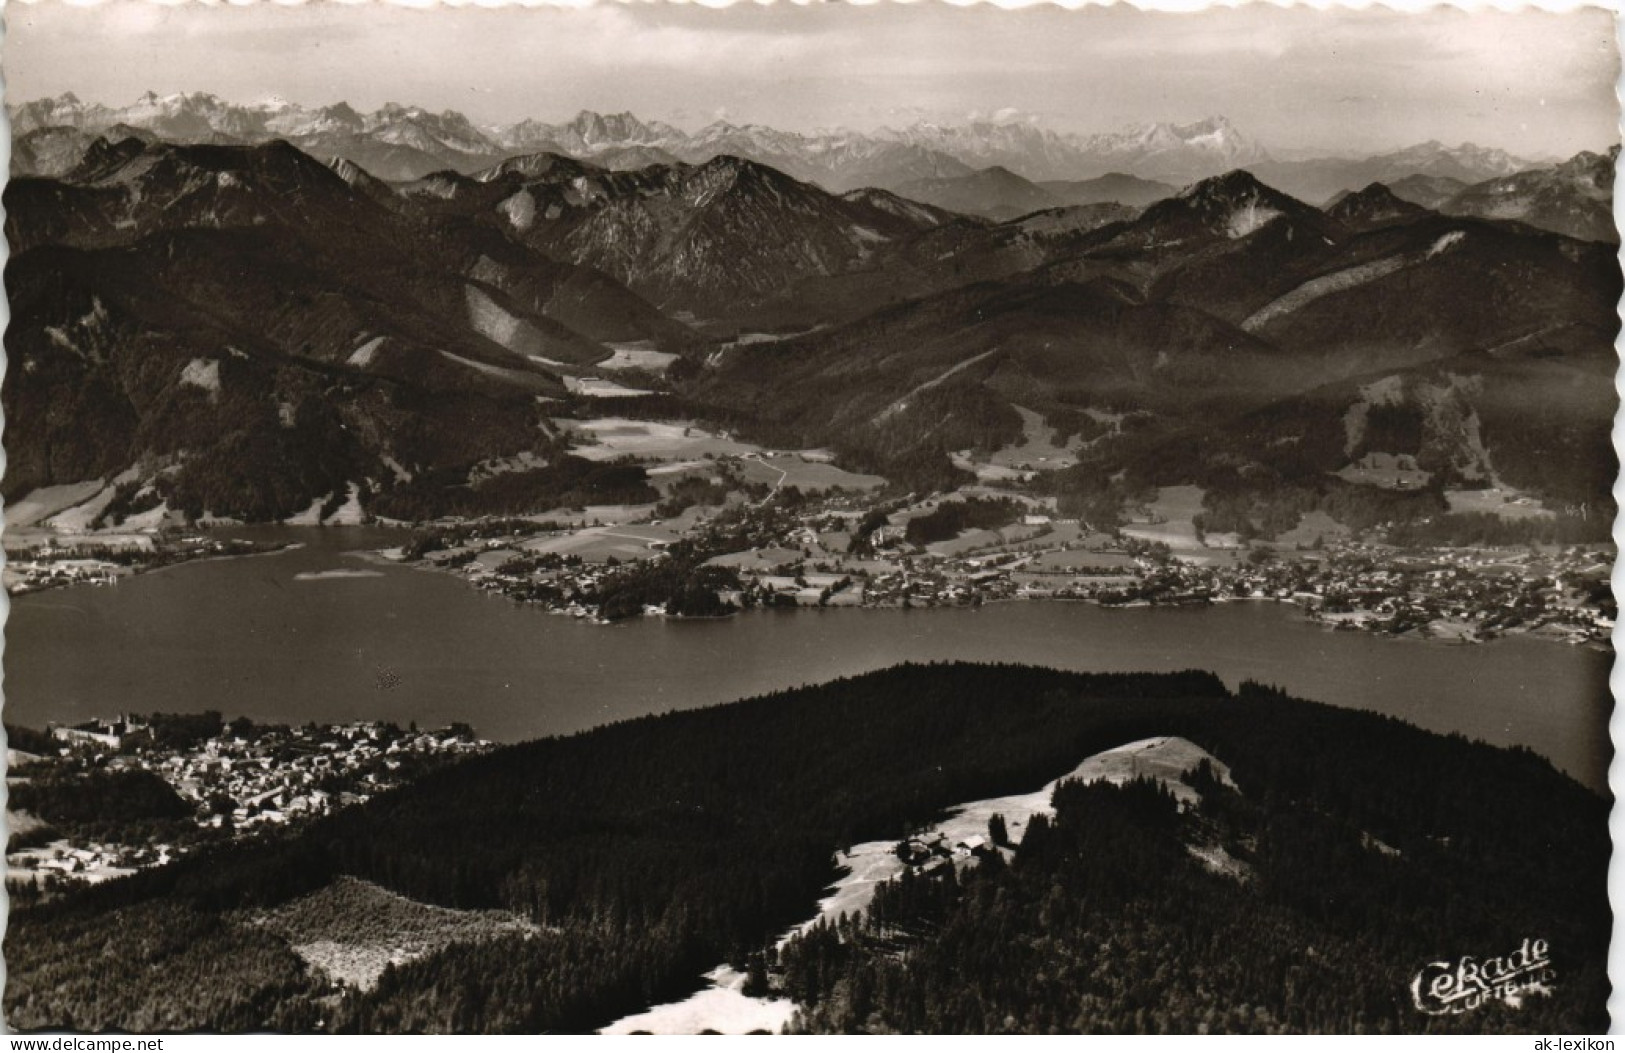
1374	206
1225	302
1322	178
247	325
399	142
691	238
995	193
1574	198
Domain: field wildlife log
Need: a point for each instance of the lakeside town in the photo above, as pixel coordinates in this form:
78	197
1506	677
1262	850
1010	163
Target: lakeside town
107	797
733	525
837	549
37	563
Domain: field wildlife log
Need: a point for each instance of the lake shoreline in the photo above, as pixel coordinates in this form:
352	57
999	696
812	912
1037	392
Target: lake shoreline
243	636
1305	612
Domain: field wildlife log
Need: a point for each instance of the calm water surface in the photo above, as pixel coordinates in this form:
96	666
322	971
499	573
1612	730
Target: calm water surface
250	636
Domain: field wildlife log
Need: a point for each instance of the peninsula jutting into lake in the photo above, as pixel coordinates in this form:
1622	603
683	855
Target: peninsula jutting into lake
804	519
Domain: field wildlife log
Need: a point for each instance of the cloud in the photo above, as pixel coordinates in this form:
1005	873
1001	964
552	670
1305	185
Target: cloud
1013	115
1003	115
611	35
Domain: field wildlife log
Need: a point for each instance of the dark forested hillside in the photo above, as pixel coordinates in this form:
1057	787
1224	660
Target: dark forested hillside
254	331
1320	925
1209	308
654	849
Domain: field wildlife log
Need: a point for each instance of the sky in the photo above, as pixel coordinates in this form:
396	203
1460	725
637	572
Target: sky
1298	80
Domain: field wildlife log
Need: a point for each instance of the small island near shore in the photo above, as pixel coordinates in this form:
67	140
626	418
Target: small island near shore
818	860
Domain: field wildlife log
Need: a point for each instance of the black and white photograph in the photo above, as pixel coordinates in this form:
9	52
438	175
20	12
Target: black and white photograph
808	518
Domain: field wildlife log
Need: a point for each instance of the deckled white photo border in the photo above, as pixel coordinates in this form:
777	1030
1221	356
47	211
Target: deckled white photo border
1616	777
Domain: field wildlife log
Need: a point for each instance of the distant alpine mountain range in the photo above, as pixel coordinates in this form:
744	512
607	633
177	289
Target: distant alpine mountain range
397	143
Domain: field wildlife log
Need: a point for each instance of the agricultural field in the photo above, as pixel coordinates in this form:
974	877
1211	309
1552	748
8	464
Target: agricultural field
1388	471
1038	451
1312	527
988	473
607	438
758	560
598	543
1010	538
594	388
1080	559
1501	501
48	501
1170	520
797	470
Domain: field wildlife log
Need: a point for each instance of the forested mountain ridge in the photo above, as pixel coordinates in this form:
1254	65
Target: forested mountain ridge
1195	316
652	849
247	315
385	339
696	238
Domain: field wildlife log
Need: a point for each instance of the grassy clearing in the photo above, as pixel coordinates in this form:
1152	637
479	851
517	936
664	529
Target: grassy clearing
795	470
1165	759
1082	559
606	438
1501	501
639	356
352	930
596	544
1170	519
682	447
40	505
1314	526
594	388
1386	470
988	473
1038	452
723	1007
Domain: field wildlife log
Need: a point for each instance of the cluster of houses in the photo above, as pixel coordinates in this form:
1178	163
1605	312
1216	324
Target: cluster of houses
276	776
244	779
108	732
103	558
1359	586
36	574
91	864
925	853
804	555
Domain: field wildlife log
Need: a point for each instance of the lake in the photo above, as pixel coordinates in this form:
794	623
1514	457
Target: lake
284	638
